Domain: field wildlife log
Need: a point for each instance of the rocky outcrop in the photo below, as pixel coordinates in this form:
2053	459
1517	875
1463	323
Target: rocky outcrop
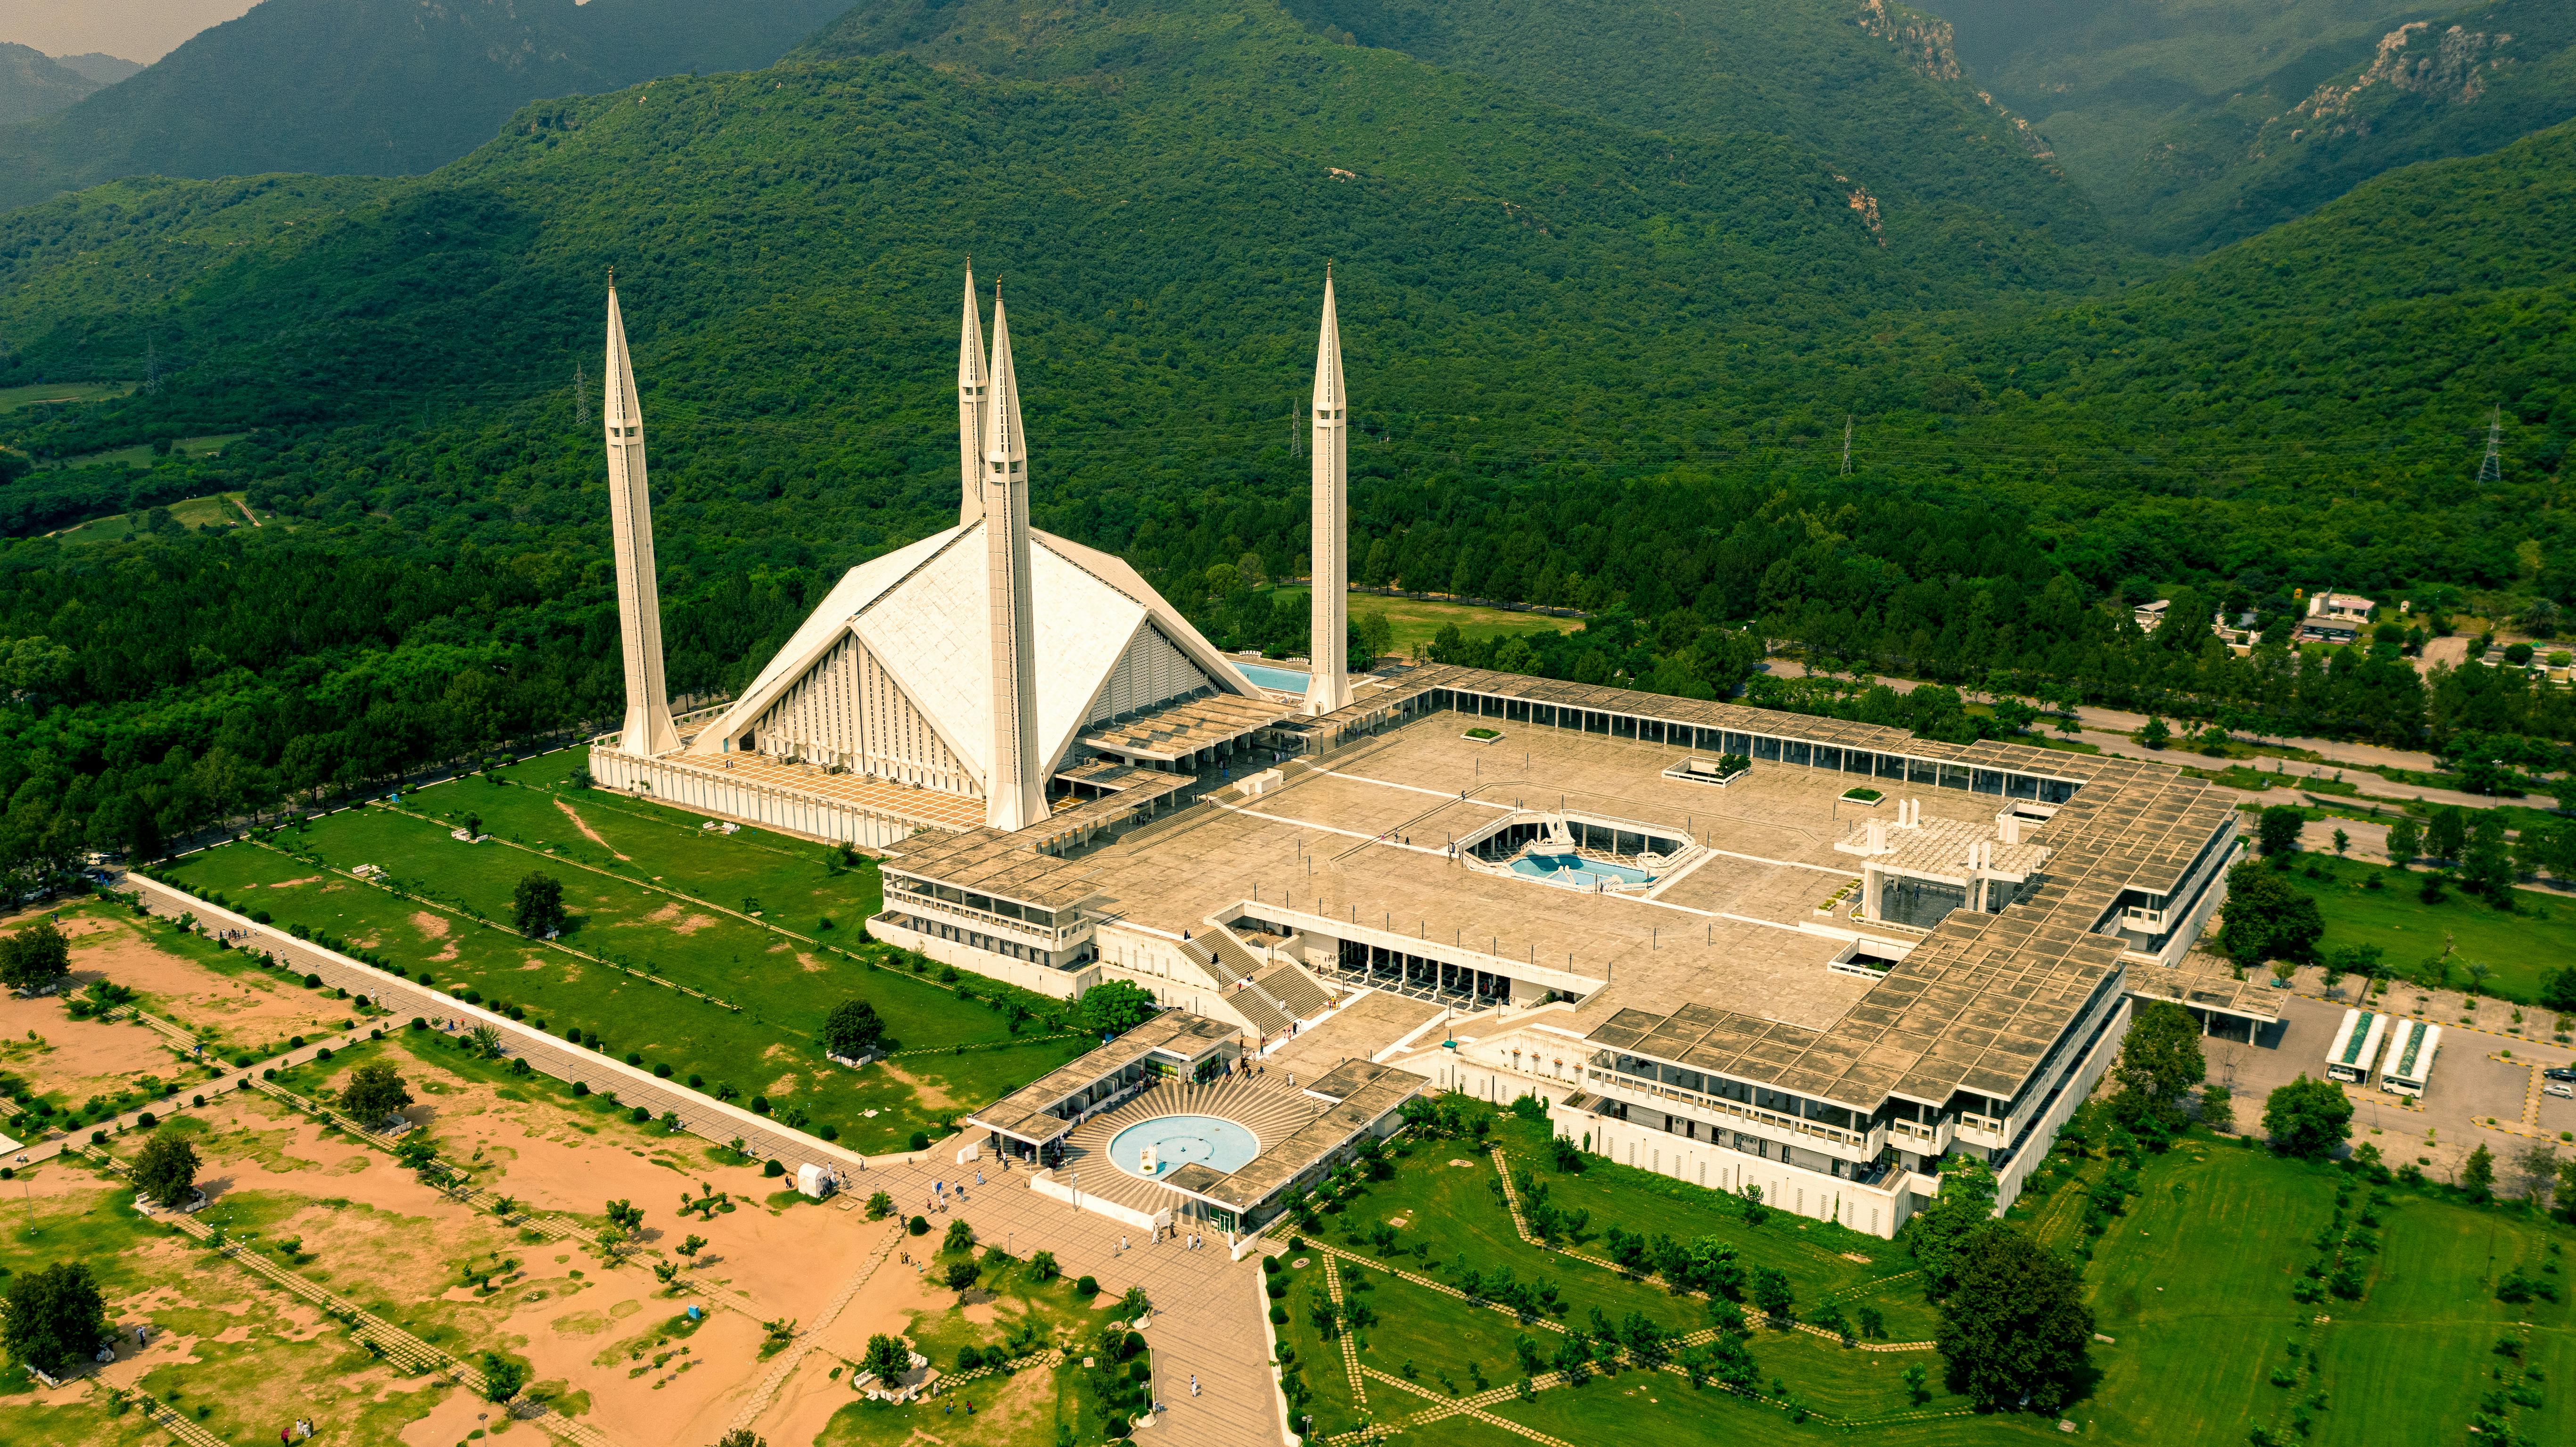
2451	65
1924	40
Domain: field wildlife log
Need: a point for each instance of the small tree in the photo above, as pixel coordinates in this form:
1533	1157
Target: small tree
888	1357
2279	827
880	1206
691	1246
1043	1267
373	1091
1771	1293
853	1030
166	1168
56	1317
2342	843
502	1377
2015	1327
2307	1118
2217	1109
2161	1060
2268	918
960	1237
34	957
1916	1389
1937	1232
2477	1175
1114	1007
2405	842
537	906
2155	733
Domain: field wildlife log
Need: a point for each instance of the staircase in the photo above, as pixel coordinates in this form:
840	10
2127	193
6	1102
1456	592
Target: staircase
1294	989
1231	965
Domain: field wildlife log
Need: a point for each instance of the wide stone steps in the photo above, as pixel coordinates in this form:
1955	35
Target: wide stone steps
1295	990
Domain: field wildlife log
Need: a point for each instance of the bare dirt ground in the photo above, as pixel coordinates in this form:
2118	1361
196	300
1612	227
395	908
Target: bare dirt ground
583	825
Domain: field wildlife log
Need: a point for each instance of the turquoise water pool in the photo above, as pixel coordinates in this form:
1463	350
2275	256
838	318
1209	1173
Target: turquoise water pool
1278	680
1573	869
1183	1140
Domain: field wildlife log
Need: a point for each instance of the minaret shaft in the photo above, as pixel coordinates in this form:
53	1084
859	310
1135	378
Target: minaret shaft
974	385
648	728
1328	686
1014	793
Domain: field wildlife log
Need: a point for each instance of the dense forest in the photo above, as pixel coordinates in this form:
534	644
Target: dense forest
1594	365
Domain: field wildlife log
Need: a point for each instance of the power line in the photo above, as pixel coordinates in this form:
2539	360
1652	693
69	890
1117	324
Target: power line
2492	469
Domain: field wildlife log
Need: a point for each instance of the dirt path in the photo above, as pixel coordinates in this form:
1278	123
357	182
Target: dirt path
583	825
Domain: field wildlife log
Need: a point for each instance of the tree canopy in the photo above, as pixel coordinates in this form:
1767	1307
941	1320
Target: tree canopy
2015	1325
2307	1118
56	1317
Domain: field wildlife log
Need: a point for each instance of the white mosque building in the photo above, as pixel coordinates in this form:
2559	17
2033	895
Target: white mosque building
977	674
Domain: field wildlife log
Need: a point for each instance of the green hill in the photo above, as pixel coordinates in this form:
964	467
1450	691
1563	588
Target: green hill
354	87
2199	122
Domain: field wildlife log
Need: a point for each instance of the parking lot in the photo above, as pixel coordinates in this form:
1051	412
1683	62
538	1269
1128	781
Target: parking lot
2472	1082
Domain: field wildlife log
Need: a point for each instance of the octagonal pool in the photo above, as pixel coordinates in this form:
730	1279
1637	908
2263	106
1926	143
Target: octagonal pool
1183	1140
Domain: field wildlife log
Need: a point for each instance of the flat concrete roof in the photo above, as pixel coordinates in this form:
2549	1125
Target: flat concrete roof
1032	1105
1186	727
1735	937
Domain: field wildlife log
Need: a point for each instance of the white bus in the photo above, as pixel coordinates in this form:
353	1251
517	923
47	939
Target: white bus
2410	1057
2356	1046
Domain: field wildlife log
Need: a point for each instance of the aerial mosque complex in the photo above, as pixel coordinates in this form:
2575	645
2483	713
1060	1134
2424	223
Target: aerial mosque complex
1905	950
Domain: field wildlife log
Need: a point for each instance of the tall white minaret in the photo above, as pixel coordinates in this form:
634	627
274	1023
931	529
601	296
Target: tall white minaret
973	385
1014	795
630	507
1329	686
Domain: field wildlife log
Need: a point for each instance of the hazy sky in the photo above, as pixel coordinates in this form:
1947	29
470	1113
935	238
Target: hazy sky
143	30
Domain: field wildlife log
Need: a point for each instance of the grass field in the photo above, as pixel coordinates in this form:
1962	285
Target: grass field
13	398
2517	948
2192	1285
1416	620
650	893
141	454
214	510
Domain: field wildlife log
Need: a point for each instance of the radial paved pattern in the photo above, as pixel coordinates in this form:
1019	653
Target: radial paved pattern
1270	1111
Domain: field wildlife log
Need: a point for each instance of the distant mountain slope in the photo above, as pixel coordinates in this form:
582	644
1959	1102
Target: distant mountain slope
100	68
1868	85
378	87
2198	122
34	84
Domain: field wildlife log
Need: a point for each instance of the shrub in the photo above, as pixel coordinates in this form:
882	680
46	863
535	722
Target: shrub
1086	1288
920	1140
918	1226
760	1105
962	1274
312	981
634	1058
581	1087
695	1081
771	1167
639	1115
828	1131
661	1071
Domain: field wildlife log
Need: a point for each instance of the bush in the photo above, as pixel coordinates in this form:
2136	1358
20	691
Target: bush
639	1115
962	1274
920	1140
661	1071
760	1105
581	1087
920	1226
771	1167
1086	1288
696	1081
312	981
634	1058
828	1131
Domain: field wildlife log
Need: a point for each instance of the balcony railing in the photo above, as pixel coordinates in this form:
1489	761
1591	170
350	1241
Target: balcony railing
1860	1141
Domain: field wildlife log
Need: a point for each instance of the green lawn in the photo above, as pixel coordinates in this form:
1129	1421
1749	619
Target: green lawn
2517	948
628	911
2193	1284
1416	620
214	510
13	398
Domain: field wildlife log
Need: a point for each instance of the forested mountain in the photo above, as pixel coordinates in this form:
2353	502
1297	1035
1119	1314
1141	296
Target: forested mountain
371	87
1869	87
33	84
1591	364
2199	122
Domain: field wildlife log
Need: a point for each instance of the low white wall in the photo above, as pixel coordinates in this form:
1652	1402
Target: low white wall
1028	975
708	791
1871	1210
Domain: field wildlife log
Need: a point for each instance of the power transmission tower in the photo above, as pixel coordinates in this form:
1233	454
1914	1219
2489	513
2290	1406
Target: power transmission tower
1847	444
2492	469
580	397
1294	450
151	366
